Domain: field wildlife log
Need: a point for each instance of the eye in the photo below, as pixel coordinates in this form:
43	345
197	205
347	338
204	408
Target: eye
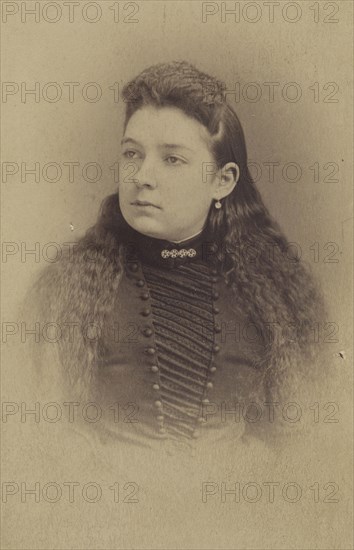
129	153
174	160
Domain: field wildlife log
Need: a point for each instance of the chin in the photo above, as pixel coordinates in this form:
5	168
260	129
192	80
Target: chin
147	227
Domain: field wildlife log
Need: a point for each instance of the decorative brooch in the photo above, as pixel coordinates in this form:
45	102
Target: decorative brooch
174	253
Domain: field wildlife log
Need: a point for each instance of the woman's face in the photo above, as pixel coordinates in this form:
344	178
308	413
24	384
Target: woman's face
163	192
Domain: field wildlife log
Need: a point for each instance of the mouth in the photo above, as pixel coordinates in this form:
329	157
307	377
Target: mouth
144	203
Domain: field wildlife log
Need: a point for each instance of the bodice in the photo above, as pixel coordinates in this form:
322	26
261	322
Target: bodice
179	360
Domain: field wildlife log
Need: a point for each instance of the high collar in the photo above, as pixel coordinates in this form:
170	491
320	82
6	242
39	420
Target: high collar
167	254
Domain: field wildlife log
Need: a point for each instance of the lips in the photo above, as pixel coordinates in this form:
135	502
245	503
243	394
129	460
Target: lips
144	203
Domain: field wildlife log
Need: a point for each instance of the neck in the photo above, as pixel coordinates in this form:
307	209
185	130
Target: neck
187	238
165	253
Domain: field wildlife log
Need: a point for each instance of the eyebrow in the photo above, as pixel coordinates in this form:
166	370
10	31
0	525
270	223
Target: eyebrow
160	145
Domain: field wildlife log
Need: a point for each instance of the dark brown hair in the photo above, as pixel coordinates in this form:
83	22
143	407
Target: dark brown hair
274	288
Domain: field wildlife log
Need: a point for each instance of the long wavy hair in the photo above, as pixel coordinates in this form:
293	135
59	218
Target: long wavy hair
273	287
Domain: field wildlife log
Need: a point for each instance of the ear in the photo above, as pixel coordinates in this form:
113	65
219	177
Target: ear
227	179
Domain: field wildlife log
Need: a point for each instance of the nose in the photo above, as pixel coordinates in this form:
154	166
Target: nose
145	176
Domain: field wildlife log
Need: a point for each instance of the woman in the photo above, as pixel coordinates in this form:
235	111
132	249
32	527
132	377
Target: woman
182	305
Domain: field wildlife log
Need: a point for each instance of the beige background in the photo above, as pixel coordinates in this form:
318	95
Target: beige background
305	132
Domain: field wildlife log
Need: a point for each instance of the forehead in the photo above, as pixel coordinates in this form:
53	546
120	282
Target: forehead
151	126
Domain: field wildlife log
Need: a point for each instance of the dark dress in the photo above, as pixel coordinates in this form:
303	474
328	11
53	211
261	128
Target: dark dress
180	358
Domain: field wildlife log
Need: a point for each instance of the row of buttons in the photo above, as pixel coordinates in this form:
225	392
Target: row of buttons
216	348
151	351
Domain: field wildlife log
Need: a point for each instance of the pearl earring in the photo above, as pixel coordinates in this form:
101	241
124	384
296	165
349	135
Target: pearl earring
218	205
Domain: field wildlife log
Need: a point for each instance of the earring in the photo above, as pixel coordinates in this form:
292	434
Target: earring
218	204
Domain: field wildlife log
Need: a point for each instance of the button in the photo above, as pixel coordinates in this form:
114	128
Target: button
212	369
155	368
150	351
201	420
155	387
216	309
217	328
158	404
147	332
146	311
205	401
214	279
216	348
144	296
133	267
214	272
215	295
140	282
209	385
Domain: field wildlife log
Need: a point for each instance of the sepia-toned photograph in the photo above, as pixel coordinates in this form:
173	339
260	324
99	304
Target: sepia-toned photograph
177	275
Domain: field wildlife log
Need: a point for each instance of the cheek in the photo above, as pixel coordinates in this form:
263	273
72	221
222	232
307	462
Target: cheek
186	204
199	192
124	190
190	191
124	198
